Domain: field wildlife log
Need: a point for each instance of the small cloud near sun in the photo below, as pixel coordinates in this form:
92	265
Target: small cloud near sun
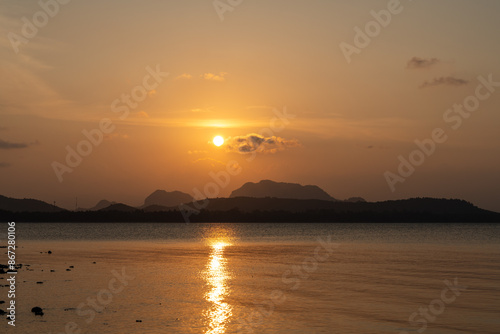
215	77
259	144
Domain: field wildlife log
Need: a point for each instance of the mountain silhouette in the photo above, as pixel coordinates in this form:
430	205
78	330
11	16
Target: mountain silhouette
101	205
428	205
26	205
246	209
355	199
119	207
268	188
265	201
164	198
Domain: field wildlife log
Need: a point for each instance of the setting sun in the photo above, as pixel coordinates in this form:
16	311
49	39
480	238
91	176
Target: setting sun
218	141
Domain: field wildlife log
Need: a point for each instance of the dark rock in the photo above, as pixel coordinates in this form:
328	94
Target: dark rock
39	282
138	321
37	310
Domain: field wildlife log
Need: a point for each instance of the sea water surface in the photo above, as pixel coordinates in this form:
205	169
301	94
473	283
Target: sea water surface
255	278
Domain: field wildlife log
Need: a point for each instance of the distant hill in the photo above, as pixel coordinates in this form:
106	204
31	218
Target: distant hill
254	209
247	209
164	198
101	205
119	207
268	188
157	208
26	205
418	205
355	199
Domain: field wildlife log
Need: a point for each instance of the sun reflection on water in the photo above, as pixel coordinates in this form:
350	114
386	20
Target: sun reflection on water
216	276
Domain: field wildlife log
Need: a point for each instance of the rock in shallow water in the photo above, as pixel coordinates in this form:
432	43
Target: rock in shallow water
37	310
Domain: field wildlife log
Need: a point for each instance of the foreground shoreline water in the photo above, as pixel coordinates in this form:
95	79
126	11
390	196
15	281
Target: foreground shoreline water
264	278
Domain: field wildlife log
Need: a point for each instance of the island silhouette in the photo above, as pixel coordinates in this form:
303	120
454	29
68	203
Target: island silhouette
265	201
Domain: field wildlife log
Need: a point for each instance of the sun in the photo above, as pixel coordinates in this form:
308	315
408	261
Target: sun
218	140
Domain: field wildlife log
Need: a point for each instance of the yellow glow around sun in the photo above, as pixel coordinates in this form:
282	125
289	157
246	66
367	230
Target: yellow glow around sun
218	141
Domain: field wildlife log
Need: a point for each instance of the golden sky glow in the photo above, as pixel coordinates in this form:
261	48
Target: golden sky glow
171	76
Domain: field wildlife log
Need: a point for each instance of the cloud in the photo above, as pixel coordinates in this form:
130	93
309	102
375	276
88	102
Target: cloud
206	76
185	76
7	145
202	109
214	77
418	63
143	114
448	81
4	164
257	143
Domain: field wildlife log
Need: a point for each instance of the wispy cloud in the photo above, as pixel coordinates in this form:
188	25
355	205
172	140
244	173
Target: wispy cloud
215	77
202	109
257	143
420	63
185	76
447	81
8	145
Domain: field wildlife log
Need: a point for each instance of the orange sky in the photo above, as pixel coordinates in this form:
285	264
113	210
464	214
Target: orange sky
169	76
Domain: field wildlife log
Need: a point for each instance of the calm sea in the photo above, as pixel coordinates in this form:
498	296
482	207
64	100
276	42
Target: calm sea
255	278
